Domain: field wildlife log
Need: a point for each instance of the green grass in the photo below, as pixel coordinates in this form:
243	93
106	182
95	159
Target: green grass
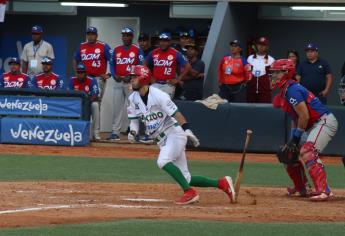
182	228
27	168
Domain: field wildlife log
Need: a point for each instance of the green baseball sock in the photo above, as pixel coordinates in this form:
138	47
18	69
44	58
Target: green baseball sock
177	175
202	181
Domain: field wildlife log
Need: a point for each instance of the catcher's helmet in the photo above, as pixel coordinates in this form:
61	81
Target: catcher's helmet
141	72
282	65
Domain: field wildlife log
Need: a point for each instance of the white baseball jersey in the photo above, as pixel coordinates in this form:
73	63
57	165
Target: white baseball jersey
157	114
259	64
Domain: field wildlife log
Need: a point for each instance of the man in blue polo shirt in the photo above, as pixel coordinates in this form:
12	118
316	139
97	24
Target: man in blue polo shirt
315	73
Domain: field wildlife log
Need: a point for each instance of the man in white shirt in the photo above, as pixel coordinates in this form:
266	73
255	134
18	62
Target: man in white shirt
258	89
34	52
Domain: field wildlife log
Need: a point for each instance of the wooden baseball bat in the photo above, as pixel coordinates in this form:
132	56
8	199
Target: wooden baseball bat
240	170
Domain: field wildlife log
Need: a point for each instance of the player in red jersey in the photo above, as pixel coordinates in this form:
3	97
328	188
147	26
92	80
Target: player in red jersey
15	78
95	55
124	57
48	79
166	61
83	82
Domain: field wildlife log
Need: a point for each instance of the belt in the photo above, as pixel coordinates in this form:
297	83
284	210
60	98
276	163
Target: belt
162	135
161	82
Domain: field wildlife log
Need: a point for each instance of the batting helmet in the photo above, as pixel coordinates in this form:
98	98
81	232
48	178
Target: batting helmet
143	73
282	65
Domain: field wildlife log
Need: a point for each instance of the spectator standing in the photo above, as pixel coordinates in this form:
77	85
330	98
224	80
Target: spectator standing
315	73
294	57
166	61
15	78
35	51
258	89
185	39
145	44
95	55
48	79
233	74
193	82
87	84
124	57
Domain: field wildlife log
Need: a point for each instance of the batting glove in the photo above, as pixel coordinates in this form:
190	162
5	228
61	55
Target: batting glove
192	137
132	136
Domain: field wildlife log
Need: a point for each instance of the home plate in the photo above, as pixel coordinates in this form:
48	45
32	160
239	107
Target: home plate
144	199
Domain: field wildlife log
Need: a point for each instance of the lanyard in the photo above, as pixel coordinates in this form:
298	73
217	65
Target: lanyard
35	49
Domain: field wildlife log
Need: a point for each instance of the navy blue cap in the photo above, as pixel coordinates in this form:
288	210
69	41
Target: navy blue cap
47	60
81	68
236	42
92	30
184	34
127	30
143	36
14	60
311	46
165	36
36	29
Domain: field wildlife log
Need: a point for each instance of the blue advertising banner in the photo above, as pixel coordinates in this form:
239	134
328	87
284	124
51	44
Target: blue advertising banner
12	46
45	132
40	106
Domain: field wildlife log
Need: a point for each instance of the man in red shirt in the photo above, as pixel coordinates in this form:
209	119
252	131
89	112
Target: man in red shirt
15	78
95	55
166	61
83	82
124	57
48	79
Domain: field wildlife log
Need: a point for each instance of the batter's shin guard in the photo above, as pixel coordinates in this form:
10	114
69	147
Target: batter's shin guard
315	168
297	174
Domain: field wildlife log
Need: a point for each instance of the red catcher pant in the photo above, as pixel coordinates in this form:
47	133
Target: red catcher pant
262	97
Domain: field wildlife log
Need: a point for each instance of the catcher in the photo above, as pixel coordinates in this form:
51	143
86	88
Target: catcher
312	122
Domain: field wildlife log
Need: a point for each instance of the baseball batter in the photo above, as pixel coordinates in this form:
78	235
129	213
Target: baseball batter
169	128
312	122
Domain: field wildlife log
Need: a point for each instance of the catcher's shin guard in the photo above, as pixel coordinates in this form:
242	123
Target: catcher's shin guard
297	174
315	167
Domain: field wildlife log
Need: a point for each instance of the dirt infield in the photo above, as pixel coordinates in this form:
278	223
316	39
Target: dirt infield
50	203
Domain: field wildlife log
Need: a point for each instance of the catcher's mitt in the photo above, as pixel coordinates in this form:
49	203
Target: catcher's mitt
288	153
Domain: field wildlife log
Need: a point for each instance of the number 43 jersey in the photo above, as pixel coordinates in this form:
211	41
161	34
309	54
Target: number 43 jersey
94	56
157	115
165	63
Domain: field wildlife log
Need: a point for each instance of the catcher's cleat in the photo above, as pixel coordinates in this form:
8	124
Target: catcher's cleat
321	197
306	192
189	197
227	186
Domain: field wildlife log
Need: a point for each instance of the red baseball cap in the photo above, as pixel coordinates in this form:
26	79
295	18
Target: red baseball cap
262	41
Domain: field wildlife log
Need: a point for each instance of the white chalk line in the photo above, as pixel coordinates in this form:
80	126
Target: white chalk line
54	207
144	199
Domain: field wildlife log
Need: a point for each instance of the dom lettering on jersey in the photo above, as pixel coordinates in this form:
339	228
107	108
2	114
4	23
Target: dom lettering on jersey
124	61
91	56
40	106
166	63
45	132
